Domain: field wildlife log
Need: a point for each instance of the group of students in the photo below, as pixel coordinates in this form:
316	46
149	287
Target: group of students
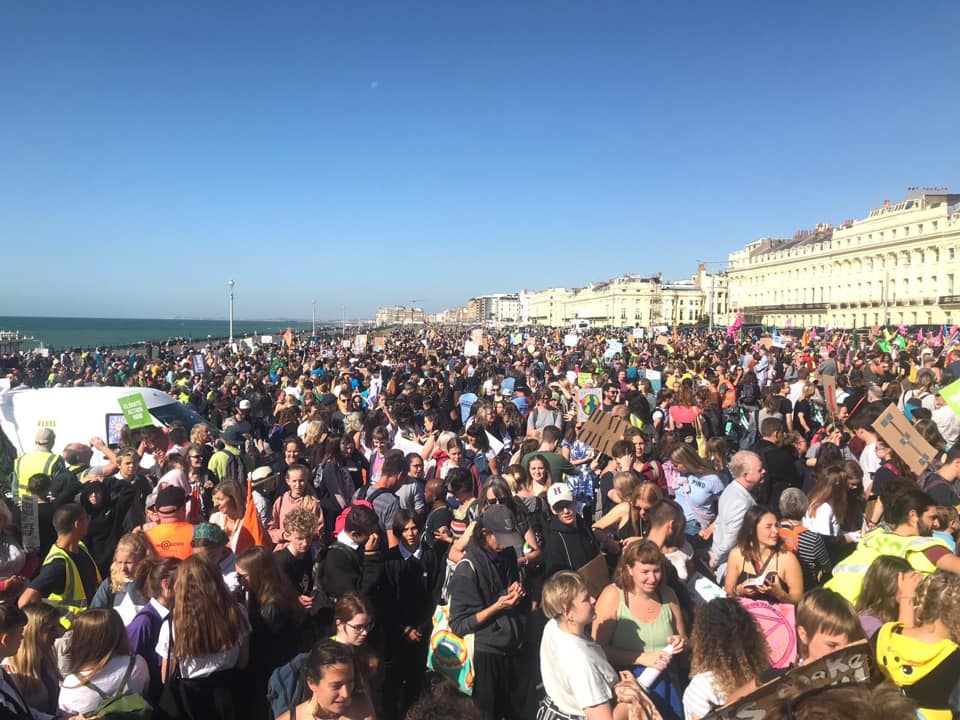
439	481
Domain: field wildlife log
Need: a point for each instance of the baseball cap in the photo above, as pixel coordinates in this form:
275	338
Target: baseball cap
500	521
559	492
170	496
243	405
209	532
233	435
263	475
45	437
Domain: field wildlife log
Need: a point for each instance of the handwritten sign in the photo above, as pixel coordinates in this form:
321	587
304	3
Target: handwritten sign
614	347
829	383
471	349
951	396
134	409
852	664
602	430
30	522
379	343
583	378
199	365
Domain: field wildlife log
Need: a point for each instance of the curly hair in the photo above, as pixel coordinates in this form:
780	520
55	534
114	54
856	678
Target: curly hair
727	641
139	547
301	521
938	598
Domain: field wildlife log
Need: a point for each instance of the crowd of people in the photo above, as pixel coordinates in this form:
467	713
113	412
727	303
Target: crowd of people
346	514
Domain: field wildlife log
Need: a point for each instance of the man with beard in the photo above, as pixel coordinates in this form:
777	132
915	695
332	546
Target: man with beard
913	516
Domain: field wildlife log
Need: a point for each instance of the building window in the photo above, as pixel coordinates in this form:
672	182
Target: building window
919	228
933	224
893	233
951	254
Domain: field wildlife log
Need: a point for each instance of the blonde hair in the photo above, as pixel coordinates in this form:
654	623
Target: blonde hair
938	598
27	665
560	591
139	546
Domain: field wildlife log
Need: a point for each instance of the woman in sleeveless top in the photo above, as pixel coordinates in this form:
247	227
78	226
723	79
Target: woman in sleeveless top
329	672
637	617
760	567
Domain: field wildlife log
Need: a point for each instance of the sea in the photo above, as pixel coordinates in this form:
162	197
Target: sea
59	333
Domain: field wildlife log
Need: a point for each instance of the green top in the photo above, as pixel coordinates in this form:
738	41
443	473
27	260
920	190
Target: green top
630	634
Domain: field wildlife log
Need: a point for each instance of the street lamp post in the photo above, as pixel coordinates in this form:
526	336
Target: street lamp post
314	318
231	283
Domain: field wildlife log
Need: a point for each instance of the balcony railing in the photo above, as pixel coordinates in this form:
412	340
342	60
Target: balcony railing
775	307
948	300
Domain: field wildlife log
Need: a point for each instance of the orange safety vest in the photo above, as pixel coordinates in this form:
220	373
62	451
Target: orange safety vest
172	540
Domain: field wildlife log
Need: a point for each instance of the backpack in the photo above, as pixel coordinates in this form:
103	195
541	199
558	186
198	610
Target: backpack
748	394
361	499
286	688
122	705
914	403
236	470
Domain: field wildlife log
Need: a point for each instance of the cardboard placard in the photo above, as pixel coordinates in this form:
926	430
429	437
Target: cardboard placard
901	437
851	664
379	343
476	335
829	386
134	409
661	340
602	430
589	401
596	574
360	343
765	342
471	349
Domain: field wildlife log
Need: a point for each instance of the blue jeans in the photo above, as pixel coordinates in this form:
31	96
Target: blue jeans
666	694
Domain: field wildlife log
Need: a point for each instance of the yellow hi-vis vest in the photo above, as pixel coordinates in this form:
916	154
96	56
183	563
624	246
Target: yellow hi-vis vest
28	465
73	600
848	574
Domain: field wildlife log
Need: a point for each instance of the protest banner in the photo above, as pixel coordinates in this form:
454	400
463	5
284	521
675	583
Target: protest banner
199	364
360	343
570	340
638	333
588	400
30	522
851	664
476	335
951	396
379	343
266	339
471	349
135	411
900	436
602	430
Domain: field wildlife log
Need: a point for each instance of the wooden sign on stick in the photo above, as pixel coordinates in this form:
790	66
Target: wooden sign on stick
829	385
602	430
901	437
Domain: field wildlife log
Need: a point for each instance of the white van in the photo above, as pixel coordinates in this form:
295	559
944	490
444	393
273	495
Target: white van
579	326
78	414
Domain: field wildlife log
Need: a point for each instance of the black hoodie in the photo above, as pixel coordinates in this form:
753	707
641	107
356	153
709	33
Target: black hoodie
568	547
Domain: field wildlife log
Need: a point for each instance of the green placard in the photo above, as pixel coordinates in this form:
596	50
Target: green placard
951	396
135	411
583	378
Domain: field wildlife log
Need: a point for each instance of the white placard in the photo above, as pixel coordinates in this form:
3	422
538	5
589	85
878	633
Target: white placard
571	340
495	444
30	522
266	339
406	445
471	349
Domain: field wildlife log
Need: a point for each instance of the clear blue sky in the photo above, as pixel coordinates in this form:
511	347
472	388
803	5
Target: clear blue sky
375	153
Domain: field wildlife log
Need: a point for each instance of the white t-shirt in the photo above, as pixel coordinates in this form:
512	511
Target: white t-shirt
869	463
823	521
201	666
701	696
576	674
79	698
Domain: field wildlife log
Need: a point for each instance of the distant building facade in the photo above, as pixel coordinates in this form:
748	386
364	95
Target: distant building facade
899	265
399	315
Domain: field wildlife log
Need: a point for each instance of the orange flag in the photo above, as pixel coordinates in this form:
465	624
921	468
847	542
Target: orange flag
251	529
288	338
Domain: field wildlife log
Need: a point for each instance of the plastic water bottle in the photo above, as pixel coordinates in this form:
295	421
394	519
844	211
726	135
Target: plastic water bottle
648	677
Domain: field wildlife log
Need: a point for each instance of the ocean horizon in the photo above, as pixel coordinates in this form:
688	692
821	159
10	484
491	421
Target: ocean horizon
84	333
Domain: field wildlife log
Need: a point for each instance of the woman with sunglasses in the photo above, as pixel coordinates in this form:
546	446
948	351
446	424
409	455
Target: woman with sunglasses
569	542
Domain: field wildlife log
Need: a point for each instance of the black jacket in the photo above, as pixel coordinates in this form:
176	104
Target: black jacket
411	588
568	547
781	472
346	570
476	583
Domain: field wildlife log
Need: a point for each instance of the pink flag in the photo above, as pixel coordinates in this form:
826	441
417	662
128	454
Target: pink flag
919	335
789	322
